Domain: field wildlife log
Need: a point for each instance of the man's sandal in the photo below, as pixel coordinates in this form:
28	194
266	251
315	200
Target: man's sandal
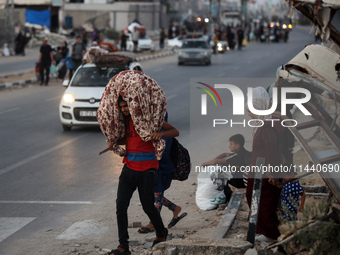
174	221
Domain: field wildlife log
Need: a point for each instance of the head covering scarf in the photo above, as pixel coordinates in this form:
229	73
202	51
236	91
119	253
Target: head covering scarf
259	103
147	105
261	92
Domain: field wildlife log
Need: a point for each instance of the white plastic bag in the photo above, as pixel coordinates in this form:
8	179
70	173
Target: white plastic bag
209	193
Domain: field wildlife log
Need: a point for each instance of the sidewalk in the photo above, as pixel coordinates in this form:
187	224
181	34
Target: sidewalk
28	76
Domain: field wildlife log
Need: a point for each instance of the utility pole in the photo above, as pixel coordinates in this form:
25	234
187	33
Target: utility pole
11	44
219	12
62	14
7	22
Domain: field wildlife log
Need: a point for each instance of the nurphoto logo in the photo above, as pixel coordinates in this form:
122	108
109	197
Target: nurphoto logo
238	107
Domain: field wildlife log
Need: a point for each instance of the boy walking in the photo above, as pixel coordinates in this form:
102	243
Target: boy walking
123	122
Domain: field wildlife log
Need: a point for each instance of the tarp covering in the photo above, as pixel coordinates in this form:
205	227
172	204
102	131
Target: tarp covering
39	17
147	106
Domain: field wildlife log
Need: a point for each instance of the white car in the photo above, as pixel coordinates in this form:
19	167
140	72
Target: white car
194	50
174	43
79	104
144	43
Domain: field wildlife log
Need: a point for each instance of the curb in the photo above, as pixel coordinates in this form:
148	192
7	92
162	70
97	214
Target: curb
229	216
218	244
159	55
32	80
17	83
201	246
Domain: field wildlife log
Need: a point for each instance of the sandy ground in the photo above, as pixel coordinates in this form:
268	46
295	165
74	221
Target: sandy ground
14	78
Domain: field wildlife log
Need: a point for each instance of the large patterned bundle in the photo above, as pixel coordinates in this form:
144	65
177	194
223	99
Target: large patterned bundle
147	105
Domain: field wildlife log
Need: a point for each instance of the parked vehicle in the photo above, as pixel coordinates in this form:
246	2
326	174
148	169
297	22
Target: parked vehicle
174	43
79	104
144	43
194	51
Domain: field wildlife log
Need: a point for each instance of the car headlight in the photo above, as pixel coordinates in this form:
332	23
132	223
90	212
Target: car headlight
219	45
68	98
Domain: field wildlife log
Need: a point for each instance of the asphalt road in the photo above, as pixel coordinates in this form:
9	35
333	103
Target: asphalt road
46	174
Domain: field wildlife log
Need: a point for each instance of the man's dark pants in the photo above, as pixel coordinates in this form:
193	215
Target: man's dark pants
129	181
44	68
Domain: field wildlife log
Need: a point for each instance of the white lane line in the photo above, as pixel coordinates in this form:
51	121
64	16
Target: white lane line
221	75
170	97
80	229
9	225
36	156
48	202
53	98
10	110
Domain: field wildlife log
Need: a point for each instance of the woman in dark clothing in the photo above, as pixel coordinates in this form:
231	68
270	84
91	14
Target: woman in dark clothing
64	54
123	39
265	145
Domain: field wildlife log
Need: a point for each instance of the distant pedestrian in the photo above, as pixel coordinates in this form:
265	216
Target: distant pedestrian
45	60
161	38
78	51
20	42
170	32
230	37
135	37
123	38
64	52
240	37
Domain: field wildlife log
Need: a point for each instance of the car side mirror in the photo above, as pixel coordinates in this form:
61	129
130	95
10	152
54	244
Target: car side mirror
65	83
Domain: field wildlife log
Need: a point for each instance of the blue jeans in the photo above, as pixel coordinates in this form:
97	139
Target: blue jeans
129	181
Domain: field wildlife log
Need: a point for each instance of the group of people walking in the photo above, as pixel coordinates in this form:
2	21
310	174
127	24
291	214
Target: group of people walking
61	57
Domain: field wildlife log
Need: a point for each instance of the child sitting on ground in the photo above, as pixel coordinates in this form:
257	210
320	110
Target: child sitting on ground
237	157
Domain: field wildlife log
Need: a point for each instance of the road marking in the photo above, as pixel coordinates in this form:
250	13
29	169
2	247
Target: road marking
170	97
36	156
48	202
83	228
10	110
221	75
9	225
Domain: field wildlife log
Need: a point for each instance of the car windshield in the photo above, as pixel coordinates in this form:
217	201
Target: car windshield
95	76
194	44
